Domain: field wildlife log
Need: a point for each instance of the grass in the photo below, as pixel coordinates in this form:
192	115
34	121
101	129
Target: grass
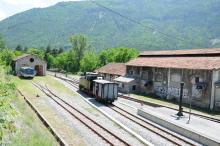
27	128
31	92
31	131
57	86
173	105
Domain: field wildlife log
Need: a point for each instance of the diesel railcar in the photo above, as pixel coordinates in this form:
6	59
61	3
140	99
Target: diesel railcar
26	72
102	90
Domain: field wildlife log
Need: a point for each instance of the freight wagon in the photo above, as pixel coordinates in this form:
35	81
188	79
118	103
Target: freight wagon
102	90
105	90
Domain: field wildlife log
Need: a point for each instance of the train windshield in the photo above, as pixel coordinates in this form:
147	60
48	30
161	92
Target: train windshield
28	71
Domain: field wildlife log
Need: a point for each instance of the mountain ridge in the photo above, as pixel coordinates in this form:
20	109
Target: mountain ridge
194	22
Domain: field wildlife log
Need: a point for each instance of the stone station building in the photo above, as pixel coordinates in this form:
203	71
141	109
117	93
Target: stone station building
161	72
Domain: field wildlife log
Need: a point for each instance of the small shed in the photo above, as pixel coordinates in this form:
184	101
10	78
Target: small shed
126	84
29	60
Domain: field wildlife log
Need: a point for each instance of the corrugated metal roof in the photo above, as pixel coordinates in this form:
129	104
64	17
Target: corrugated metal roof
113	68
103	81
182	52
124	79
204	63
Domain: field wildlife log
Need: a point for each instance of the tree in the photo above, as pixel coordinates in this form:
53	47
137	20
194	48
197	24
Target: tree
25	49
19	48
6	57
54	52
37	52
2	43
48	49
60	50
117	55
79	46
89	62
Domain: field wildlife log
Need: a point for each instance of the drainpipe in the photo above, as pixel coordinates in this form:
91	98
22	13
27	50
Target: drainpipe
214	79
168	84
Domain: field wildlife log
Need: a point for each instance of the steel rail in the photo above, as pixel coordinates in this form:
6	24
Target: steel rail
85	116
169	139
146	124
151	104
154	104
44	121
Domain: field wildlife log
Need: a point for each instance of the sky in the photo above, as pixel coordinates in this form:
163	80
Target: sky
11	7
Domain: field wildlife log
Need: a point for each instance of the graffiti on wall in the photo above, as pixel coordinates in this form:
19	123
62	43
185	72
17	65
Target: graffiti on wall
196	93
171	92
161	91
175	92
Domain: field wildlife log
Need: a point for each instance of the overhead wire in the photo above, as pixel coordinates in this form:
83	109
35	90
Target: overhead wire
136	21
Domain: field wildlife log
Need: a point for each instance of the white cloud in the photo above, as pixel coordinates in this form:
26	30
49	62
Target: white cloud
2	15
11	7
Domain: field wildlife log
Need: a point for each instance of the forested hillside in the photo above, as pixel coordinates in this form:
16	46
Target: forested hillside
195	21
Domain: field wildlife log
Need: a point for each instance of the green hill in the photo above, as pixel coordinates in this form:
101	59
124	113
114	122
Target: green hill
195	21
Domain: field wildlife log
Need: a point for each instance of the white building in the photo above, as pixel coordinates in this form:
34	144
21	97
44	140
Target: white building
29	60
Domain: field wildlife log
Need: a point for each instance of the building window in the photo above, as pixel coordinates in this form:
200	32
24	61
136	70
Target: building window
196	79
138	71
131	72
31	59
134	87
145	75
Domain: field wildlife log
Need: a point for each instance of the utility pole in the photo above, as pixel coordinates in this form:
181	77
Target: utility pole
180	114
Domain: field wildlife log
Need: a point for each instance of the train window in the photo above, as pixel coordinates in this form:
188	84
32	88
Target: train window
31	59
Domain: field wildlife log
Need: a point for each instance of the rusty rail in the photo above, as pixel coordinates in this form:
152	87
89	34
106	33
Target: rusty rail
154	104
44	121
155	129
79	119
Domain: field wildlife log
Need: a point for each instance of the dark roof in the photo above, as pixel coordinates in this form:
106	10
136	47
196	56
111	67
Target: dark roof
113	68
205	63
202	52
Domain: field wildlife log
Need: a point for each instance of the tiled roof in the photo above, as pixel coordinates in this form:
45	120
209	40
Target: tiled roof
113	68
182	52
205	63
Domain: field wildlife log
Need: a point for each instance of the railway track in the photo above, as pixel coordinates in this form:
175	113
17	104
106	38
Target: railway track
151	127
75	83
58	138
98	129
152	104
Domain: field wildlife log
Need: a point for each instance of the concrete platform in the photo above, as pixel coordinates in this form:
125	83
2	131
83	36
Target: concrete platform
199	129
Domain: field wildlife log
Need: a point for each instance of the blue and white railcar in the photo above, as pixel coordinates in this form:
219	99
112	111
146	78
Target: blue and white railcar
27	72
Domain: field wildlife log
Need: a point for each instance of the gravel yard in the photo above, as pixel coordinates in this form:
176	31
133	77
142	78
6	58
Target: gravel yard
84	107
145	133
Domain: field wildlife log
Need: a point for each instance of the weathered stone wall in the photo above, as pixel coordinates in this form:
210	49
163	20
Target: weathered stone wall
165	83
